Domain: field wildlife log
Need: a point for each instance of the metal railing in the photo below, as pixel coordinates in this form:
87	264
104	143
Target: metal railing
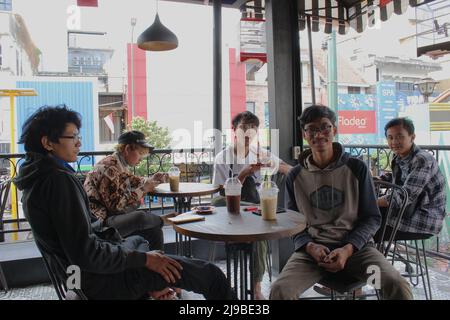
195	166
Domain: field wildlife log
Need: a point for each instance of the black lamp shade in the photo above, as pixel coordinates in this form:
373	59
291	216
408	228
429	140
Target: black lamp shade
157	38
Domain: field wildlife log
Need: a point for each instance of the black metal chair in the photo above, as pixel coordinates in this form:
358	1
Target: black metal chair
57	272
345	284
5	186
411	240
4	193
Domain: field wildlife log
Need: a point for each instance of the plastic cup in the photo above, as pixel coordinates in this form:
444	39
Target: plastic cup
268	194
233	189
174	179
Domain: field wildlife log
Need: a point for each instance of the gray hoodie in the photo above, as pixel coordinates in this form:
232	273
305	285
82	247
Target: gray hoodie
339	201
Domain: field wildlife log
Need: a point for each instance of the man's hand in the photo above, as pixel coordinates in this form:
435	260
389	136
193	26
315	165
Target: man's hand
337	259
154	181
382	203
160	177
317	251
167	267
249	170
284	167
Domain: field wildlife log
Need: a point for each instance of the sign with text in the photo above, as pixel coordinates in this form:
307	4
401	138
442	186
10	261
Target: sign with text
357	122
387	108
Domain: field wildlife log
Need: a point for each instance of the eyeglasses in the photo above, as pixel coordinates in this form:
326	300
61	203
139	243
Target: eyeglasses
246	127
324	129
76	138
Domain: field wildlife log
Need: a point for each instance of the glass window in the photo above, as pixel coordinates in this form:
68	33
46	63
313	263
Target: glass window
354	90
250	106
5	5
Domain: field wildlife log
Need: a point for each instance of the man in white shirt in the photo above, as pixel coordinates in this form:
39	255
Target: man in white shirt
248	163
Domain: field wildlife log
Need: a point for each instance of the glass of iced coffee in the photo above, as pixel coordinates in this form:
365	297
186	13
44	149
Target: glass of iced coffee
233	195
268	194
174	178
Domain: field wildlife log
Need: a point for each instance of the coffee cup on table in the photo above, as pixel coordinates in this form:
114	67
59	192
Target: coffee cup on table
174	178
233	187
268	195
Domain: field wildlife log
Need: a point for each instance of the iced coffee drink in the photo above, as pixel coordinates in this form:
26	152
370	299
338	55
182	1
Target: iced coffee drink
174	179
268	194
233	195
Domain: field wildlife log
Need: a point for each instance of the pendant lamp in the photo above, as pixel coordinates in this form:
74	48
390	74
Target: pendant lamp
157	37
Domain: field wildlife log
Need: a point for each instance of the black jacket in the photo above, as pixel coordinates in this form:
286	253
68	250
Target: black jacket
57	209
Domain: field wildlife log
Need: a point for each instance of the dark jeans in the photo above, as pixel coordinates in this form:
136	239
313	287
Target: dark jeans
132	284
141	223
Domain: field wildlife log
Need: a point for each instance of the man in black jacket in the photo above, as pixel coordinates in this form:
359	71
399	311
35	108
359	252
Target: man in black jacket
57	209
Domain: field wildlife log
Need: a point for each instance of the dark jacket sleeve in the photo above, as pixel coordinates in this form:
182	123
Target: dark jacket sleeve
82	247
302	238
369	217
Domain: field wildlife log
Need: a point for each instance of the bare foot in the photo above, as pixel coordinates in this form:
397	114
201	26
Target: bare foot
257	292
259	296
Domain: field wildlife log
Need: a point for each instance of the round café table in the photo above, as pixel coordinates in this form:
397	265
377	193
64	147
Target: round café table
182	203
239	232
186	191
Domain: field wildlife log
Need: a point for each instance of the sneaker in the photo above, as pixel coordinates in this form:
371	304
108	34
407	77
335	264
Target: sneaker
325	291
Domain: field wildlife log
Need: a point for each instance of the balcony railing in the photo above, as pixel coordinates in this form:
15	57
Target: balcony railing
195	166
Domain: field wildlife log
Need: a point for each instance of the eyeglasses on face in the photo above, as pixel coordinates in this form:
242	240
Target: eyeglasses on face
76	138
246	127
325	129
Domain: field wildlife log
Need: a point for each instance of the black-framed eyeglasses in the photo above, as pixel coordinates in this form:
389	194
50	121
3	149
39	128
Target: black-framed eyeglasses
324	129
76	138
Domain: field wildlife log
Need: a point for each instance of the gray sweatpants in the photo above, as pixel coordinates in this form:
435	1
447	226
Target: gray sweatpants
301	272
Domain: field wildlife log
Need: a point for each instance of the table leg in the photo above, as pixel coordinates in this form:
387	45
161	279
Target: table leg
242	256
252	280
183	246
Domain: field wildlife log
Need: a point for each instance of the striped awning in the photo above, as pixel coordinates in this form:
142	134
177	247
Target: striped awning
340	15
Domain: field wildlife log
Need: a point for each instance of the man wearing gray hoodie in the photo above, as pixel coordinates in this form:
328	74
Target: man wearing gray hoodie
335	193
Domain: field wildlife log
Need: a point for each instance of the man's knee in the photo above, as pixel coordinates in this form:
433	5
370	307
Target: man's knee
394	286
283	290
147	220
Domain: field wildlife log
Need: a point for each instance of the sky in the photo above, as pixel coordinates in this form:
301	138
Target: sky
48	29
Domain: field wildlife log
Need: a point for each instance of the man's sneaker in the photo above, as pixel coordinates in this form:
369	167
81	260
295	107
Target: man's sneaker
325	291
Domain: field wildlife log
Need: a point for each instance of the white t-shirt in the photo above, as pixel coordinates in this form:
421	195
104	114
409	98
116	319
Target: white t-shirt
227	164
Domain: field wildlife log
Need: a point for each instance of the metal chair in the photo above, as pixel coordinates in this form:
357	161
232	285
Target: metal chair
4	193
58	276
421	267
343	283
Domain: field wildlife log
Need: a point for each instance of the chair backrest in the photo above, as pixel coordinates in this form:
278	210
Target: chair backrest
57	271
393	213
4	193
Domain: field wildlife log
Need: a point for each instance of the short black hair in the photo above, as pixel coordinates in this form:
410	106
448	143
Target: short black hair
246	117
317	112
50	121
404	122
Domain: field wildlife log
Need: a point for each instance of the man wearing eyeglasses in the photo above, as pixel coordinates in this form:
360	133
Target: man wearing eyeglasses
335	193
115	193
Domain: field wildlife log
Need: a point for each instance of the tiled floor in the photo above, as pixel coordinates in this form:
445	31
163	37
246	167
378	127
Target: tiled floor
440	282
